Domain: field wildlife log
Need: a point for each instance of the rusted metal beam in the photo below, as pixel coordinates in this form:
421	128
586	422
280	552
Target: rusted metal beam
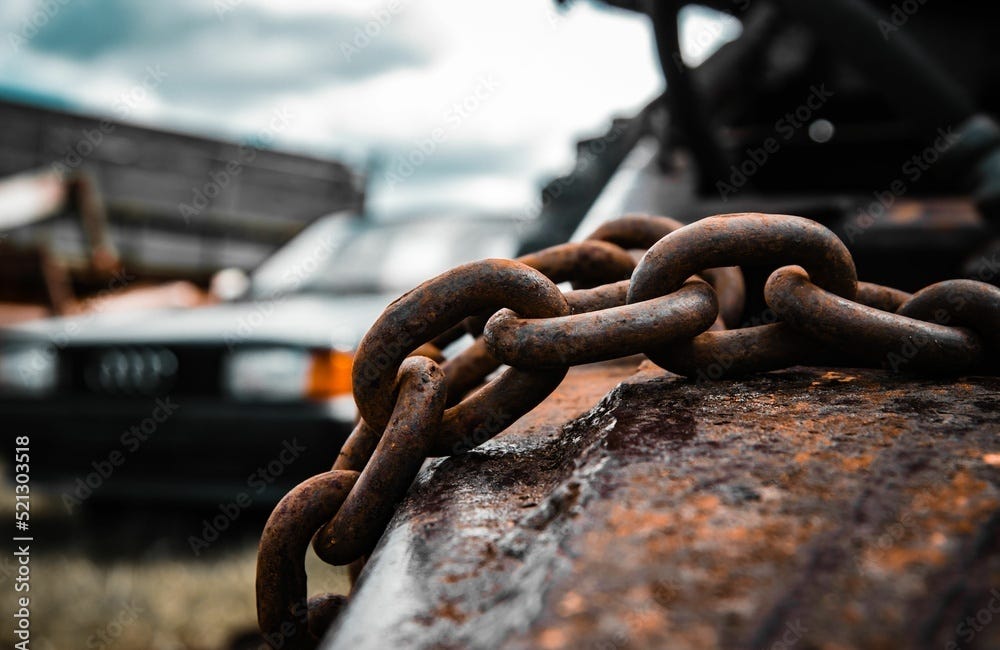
812	508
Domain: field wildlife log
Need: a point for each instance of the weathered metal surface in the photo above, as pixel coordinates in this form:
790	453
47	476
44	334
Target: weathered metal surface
586	263
544	334
880	337
604	334
741	239
960	302
394	463
750	238
809	508
432	309
881	297
286	620
640	232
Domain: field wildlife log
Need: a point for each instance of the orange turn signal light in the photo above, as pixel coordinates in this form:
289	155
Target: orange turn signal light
330	374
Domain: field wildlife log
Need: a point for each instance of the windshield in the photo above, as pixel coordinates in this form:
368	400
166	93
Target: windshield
348	255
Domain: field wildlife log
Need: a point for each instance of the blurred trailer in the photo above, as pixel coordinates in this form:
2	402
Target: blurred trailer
178	206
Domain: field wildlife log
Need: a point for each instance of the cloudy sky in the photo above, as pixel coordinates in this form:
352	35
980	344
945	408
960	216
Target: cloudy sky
486	98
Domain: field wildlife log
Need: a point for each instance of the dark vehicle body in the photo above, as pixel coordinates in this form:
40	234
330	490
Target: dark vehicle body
241	399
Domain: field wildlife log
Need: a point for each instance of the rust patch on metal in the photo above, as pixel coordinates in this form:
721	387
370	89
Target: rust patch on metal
815	507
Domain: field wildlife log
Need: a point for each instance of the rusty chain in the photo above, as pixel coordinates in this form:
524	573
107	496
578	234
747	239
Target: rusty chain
678	306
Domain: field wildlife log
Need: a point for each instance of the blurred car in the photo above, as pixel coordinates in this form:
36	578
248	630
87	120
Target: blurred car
245	397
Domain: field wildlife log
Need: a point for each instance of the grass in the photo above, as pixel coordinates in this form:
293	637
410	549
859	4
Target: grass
125	578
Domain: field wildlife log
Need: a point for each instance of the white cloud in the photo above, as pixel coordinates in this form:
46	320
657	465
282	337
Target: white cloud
486	193
558	76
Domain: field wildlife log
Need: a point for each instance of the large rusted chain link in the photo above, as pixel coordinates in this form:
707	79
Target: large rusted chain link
283	612
959	302
868	334
880	297
586	263
635	231
349	509
468	370
413	408
741	239
643	231
358	448
744	239
734	353
436	306
714	355
583	338
416	418
603	297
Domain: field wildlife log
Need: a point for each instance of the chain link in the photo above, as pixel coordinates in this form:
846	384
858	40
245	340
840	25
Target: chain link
676	306
866	334
640	232
583	338
416	418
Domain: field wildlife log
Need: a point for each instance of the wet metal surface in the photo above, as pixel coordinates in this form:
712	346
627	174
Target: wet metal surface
640	232
813	507
743	239
396	460
876	336
602	335
431	310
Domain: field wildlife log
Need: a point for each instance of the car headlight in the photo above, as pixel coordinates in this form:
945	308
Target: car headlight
287	374
28	369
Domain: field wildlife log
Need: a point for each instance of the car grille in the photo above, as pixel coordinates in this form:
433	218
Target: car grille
139	371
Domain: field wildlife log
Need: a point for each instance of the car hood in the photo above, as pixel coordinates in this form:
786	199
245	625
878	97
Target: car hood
304	320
